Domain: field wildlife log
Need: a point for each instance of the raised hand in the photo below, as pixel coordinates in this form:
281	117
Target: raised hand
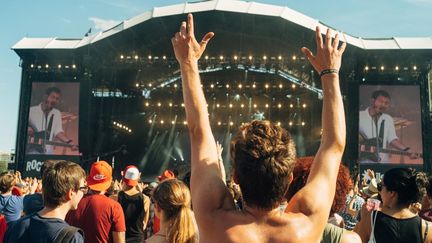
328	55
186	47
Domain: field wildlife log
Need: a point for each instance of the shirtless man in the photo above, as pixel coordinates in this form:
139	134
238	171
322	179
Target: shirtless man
263	158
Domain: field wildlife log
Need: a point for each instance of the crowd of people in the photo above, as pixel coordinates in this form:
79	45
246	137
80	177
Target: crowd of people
271	195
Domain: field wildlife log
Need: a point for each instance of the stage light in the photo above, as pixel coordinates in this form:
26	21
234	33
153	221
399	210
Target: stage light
182	104
294	57
279	105
280	57
185	123
149	84
164	57
290	123
265	57
303	123
130	130
366	68
159	104
217	105
235	58
59	66
170	104
212	86
115	123
397	68
266	86
136	57
73	66
240	86
162	121
46	66
241	105
415	67
206	57
382	68
32	65
291	105
278	123
221	57
293	86
149	57
146	104
250	57
304	105
231	123
172	122
280	86
219	123
121	57
137	85
227	86
230	105
255	105
266	105
162	85
253	86
175	85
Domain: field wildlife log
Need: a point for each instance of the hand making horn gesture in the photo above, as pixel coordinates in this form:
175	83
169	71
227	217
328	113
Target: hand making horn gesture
186	47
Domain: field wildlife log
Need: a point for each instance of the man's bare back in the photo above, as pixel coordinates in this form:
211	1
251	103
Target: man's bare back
261	220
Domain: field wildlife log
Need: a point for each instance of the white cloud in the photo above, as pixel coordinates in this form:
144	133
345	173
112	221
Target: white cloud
103	24
68	21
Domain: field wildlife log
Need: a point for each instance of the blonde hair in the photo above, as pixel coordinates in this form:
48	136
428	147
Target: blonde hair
174	198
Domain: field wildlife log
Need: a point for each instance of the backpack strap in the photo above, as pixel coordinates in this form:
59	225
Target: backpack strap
426	230
67	234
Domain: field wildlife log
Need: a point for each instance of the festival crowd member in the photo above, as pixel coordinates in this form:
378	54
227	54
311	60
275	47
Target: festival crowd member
172	202
263	157
135	205
353	205
100	217
395	222
426	212
333	231
62	190
11	206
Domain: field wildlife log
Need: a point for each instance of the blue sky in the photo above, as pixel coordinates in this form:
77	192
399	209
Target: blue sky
53	18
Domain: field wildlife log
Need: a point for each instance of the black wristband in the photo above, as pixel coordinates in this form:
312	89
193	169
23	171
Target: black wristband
328	71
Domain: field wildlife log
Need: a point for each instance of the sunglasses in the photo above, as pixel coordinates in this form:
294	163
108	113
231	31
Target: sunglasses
380	186
84	188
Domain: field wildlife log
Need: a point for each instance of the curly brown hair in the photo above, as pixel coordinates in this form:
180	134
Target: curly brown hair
301	172
263	156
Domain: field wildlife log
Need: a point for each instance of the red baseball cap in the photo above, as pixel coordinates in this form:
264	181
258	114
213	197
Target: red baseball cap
100	176
131	175
167	174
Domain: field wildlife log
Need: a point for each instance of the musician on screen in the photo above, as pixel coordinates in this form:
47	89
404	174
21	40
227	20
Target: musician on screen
45	129
377	135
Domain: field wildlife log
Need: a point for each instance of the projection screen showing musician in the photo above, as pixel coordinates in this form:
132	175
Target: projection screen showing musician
390	128
53	119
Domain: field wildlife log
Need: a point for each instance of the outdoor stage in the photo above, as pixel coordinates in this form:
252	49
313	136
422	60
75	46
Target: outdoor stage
121	98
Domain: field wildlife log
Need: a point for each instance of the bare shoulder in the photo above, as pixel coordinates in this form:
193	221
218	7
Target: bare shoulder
237	226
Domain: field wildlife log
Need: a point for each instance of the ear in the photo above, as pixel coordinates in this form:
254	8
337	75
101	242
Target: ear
291	178
69	194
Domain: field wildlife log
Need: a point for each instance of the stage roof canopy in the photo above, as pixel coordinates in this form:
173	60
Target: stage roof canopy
233	6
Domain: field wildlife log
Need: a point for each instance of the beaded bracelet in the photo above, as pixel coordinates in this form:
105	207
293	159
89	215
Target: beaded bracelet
328	71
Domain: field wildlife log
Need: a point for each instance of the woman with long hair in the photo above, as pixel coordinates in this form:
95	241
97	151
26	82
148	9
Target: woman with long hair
172	203
395	222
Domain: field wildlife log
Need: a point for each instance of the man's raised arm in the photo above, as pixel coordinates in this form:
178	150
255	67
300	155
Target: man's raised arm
316	198
207	187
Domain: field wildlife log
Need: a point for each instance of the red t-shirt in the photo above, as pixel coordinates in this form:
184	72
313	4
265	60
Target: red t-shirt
98	216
